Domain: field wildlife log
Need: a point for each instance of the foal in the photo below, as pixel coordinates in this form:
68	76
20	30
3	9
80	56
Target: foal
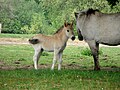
55	43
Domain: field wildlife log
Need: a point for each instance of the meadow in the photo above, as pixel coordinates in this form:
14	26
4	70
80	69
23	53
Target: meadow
17	71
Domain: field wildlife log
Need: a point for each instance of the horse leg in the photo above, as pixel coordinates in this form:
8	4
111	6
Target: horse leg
95	52
56	56
60	61
36	58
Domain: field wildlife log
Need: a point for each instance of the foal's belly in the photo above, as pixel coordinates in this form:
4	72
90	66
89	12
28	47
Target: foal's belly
48	48
51	46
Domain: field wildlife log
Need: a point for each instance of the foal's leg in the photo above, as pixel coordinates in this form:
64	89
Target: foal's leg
60	60
56	56
95	52
36	57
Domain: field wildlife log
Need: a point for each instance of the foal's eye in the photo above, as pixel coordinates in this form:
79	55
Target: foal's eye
67	30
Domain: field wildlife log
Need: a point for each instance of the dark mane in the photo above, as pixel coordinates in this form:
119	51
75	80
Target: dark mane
91	11
60	28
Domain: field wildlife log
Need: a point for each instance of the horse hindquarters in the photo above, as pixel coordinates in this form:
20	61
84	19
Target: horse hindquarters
95	49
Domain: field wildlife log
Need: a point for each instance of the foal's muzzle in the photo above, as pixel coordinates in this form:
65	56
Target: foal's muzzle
73	37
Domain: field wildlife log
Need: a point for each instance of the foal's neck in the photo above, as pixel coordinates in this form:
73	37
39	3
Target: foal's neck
62	35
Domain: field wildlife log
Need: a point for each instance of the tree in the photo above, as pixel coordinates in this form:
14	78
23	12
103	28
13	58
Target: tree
45	16
112	2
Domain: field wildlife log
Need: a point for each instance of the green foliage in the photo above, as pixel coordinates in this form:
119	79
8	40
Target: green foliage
87	52
45	16
112	2
45	54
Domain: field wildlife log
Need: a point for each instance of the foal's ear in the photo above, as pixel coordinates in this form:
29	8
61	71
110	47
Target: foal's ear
65	24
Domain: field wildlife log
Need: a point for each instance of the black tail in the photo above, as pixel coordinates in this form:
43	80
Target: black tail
33	41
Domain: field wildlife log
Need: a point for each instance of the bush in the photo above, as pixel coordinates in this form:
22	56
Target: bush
45	54
28	16
87	52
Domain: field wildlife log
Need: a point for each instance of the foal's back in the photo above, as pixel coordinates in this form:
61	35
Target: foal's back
49	43
48	39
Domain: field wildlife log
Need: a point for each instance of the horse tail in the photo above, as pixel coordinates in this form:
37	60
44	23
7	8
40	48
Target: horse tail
33	41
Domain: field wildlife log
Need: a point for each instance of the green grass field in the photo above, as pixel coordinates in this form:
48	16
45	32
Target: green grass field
17	72
75	77
16	35
67	79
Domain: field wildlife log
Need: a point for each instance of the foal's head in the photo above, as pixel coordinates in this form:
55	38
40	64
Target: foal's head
68	28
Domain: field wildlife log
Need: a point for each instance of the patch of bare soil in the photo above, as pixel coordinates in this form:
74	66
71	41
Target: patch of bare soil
12	41
72	66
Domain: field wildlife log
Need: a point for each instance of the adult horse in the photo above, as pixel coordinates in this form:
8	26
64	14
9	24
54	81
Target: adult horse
55	43
97	28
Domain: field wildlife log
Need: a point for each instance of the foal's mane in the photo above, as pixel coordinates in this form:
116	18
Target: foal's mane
61	28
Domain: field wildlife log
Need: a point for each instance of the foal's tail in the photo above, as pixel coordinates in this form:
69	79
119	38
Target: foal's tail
33	41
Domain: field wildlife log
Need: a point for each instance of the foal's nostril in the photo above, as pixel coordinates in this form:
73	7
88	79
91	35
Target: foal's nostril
73	38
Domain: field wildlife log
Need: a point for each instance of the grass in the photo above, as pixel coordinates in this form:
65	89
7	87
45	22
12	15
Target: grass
76	74
45	79
16	35
66	79
87	52
72	55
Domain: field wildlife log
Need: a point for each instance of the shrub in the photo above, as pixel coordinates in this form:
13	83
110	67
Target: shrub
87	52
45	54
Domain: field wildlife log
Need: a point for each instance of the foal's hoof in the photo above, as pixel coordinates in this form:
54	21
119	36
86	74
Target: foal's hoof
97	68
